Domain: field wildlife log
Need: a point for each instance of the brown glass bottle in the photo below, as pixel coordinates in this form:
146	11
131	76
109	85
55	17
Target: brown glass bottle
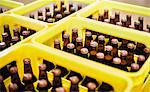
25	34
108	55
43	76
114	44
40	13
124	44
6	39
57	44
14	40
57	82
84	52
7	30
117	62
12	87
47	9
66	39
124	23
128	17
136	25
134	67
28	82
16	32
141	19
123	55
74	35
105	87
79	45
88	38
2	85
74	84
28	68
100	57
101	18
130	56
106	15
70	48
141	60
43	85
22	29
48	15
31	16
2	46
101	42
15	76
112	20
117	16
93	50
146	52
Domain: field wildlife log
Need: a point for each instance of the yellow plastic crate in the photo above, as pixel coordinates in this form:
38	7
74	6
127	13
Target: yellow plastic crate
56	57
25	1
10	4
13	20
112	6
46	39
41	3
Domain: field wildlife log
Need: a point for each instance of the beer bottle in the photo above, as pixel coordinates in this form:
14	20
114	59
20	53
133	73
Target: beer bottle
74	35
64	71
141	19
128	17
15	77
22	29
2	85
130	56
93	50
72	9
70	6
7	30
25	34
84	52
43	85
79	6
31	16
146	52
114	44
70	48
139	48
74	84
123	55
66	41
2	46
54	6
101	42
1	10
14	40
16	32
57	82
117	62
28	82
124	44
112	20
48	15
100	57
91	87
40	18
117	16
60	89
57	44
12	87
28	68
136	25
79	45
49	65
108	55
56	11
6	39
63	8
58	17
40	13
43	77
101	18
124	23
88	38
105	88
134	67
47	9
106	14
141	60
73	73
31	31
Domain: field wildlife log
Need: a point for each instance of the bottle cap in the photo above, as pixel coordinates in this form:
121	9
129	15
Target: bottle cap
123	53
56	41
84	51
131	46
116	60
100	55
56	72
15	38
74	79
93	44
25	33
2	44
101	37
114	41
135	66
75	30
79	39
27	61
60	89
59	16
13	86
27	76
6	26
108	48
13	70
70	46
42	66
66	35
88	34
91	85
42	83
141	58
147	50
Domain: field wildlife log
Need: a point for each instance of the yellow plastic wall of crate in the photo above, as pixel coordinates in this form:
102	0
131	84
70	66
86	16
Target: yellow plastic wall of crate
10	4
47	38
40	3
12	20
37	53
146	86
